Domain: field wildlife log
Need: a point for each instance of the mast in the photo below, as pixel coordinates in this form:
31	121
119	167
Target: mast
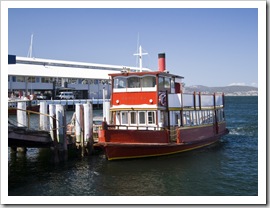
140	54
31	47
30	56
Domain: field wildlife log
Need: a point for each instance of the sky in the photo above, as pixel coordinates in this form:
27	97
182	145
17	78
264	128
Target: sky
207	46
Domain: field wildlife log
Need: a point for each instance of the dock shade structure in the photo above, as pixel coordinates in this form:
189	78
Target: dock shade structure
39	75
54	68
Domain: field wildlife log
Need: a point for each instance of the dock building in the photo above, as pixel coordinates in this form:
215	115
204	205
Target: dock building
47	77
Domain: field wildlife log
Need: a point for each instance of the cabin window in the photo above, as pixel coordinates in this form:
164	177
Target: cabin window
167	82
120	82
210	116
172	86
124	117
204	117
164	83
133	82
151	117
163	118
133	118
220	115
175	118
117	118
199	116
186	118
161	82
193	118
149	81
142	117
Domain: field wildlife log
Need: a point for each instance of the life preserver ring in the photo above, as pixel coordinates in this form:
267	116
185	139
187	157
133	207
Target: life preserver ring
162	99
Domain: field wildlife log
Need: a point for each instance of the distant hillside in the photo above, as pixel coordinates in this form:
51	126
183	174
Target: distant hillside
228	90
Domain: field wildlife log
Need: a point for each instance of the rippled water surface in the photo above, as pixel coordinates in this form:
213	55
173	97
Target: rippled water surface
228	168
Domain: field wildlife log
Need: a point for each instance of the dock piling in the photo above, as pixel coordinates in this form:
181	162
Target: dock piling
86	122
55	126
88	127
82	128
61	129
106	111
78	128
52	121
22	122
21	114
43	118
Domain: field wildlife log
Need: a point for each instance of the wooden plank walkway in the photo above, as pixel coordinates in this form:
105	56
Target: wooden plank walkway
23	137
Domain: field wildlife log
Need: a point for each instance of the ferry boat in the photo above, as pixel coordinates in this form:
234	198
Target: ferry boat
152	116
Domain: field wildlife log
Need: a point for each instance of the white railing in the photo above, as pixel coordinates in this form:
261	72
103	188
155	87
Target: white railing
195	101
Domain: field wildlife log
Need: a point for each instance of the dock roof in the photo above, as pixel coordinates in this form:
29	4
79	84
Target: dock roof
65	69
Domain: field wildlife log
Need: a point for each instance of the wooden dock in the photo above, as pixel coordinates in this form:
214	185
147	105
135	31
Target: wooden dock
24	137
54	132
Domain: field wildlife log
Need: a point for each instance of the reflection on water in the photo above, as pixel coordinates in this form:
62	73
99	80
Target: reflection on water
197	173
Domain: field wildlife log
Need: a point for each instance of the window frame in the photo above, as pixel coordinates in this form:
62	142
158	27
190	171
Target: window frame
139	120
153	117
121	117
131	123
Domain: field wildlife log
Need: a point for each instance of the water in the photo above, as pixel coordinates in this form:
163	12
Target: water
228	168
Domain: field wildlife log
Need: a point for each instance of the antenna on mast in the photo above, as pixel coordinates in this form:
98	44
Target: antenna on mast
140	54
30	48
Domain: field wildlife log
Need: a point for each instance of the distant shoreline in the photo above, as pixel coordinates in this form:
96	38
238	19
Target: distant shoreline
235	90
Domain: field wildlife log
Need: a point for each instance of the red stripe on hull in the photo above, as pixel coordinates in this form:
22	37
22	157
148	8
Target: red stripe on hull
133	136
114	150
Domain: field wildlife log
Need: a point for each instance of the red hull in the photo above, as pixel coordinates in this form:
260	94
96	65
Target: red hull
135	149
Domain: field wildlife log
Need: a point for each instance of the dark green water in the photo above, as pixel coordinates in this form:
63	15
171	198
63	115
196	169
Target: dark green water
228	168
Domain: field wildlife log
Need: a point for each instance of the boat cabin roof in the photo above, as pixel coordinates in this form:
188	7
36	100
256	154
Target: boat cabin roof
154	73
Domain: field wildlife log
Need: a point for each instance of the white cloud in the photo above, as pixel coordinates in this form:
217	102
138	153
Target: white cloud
237	83
254	84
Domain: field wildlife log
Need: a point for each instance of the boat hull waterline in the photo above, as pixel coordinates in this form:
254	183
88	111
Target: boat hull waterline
118	150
